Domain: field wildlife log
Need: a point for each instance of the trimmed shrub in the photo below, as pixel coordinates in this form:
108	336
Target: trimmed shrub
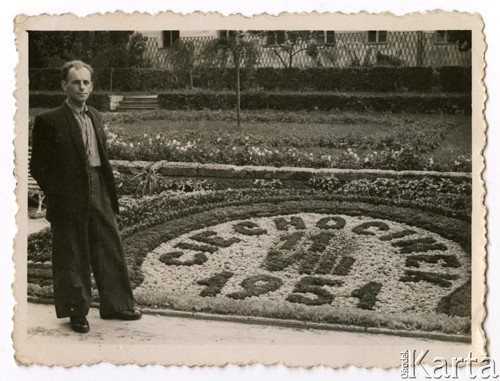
197	100
455	79
396	103
98	100
369	79
45	79
46	99
223	79
134	79
379	79
122	79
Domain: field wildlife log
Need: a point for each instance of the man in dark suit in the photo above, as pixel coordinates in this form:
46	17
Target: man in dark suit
70	164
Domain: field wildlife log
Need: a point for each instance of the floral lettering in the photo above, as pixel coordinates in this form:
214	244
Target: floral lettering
367	295
210	237
313	285
324	223
442	280
215	283
363	229
257	285
172	258
249	228
284	224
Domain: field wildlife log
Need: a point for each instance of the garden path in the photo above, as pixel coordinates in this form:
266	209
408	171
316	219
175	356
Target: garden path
37	224
45	331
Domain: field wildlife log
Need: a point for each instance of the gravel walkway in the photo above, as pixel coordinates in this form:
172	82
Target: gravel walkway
173	340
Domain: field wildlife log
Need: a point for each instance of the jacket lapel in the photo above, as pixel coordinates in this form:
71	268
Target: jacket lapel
76	133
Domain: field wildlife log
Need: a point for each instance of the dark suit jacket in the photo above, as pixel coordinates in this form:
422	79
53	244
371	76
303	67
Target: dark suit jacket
59	164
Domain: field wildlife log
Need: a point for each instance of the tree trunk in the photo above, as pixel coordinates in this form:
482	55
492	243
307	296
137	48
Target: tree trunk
237	66
190	62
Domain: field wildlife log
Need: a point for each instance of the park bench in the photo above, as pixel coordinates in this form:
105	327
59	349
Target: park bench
34	192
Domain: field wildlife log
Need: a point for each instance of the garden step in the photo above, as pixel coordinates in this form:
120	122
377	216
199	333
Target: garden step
141	97
134	102
139	102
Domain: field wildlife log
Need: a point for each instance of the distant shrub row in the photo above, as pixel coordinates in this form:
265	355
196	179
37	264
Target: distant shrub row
120	79
288	101
368	79
99	100
284	101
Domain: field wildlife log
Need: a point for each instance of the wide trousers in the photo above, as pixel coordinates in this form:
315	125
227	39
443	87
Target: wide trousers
89	245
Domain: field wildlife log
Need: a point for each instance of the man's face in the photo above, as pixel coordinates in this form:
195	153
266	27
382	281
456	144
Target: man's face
78	86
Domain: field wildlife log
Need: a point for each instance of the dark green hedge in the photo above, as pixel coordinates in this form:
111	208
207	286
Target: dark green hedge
121	79
45	79
370	79
99	100
377	79
142	79
309	101
49	79
455	79
427	103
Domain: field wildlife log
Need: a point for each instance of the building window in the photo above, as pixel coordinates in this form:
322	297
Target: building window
275	37
279	37
443	37
446	36
169	37
325	37
227	33
377	37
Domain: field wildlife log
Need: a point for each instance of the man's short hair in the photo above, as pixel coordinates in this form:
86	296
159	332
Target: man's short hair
74	64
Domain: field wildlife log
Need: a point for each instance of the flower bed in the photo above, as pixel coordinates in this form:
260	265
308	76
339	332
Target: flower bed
319	261
301	254
312	140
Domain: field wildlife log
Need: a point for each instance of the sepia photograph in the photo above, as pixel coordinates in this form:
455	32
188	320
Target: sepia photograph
263	188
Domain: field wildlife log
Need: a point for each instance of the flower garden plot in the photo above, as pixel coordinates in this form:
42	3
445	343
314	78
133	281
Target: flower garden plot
341	261
301	255
315	140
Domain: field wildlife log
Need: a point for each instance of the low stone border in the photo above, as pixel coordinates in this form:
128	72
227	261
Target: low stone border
180	169
287	323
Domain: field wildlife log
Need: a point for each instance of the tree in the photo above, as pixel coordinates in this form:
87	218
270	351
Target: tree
49	48
99	48
182	58
231	49
463	39
288	44
137	51
110	49
221	51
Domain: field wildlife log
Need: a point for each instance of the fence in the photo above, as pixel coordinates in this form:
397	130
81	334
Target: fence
302	49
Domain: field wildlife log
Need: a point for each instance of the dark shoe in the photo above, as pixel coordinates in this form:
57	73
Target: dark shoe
133	314
79	324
